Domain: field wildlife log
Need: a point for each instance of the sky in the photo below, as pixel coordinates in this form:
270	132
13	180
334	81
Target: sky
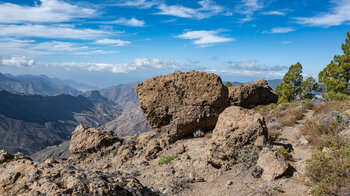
108	42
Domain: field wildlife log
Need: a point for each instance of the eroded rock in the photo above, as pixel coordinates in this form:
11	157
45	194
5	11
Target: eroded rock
235	128
252	94
272	163
24	177
183	102
88	139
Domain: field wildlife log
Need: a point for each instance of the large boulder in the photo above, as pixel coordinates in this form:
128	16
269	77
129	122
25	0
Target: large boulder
235	128
88	139
272	163
184	102
252	94
21	176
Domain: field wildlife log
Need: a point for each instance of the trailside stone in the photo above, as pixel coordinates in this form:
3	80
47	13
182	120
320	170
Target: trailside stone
272	163
235	128
252	94
183	102
88	139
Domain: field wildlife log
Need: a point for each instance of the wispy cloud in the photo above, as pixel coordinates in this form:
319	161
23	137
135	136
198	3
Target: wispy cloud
128	22
208	8
274	12
143	4
116	42
17	62
51	31
253	65
280	30
286	42
338	14
47	11
17	47
248	7
205	38
247	73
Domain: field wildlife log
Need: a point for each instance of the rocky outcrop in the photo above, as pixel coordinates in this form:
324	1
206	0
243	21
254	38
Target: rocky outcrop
21	176
88	139
235	128
183	102
272	163
252	94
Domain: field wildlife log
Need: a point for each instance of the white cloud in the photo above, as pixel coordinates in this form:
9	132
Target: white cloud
339	14
47	11
51	31
276	13
286	42
248	7
17	62
128	22
205	38
280	30
253	65
57	46
208	8
136	64
116	42
143	4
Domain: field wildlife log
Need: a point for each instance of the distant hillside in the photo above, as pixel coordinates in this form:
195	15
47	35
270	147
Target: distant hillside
29	123
132	120
272	83
34	85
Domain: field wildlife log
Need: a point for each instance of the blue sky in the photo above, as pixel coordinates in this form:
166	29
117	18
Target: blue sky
106	42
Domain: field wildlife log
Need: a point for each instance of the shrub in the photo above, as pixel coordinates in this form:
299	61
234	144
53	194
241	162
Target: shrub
335	96
287	154
291	116
329	173
273	135
166	160
248	156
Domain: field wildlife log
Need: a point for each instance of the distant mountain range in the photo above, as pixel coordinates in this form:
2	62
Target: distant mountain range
272	83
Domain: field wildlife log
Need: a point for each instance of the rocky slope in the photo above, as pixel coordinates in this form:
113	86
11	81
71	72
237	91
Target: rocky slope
30	123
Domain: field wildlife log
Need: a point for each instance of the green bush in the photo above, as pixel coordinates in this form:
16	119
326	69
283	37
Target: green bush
329	173
166	160
335	96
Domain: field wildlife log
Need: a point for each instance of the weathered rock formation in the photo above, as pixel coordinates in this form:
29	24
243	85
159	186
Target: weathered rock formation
252	94
183	102
272	163
88	139
235	128
19	175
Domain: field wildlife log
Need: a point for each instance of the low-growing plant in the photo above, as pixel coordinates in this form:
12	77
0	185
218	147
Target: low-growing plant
273	135
329	172
286	153
166	160
248	156
115	151
278	188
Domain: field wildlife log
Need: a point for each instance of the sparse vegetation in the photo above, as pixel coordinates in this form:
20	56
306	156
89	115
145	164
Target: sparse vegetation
273	135
228	84
329	172
286	153
166	160
248	156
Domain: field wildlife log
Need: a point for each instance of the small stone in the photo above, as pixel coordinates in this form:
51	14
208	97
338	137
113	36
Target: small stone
256	171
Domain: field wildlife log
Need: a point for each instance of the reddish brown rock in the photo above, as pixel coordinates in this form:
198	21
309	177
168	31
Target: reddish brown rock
236	128
187	101
88	139
252	94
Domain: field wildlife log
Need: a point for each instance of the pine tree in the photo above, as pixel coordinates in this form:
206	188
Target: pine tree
307	87
336	75
289	89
